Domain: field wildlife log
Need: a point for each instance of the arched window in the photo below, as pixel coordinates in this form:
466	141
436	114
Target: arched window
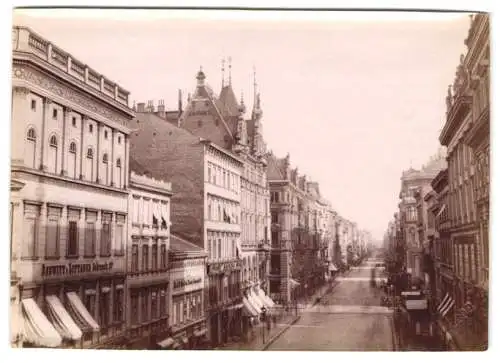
52	157
31	135
90	153
118	178
105	158
72	160
53	141
30	148
105	169
89	165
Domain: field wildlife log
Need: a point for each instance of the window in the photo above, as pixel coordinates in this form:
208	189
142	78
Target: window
90	237
144	305
91	128
134	307
219	248
52	236
135	258
274	217
118	304
90	303
52	157
209	210
72	147
119	140
105	158
105	249
154	257
118	163
73	121
199	123
163	302
145	257
90	153
154	304
119	250
106	134
54	114
104	305
33	105
209	173
73	239
30	148
30	230
31	135
163	257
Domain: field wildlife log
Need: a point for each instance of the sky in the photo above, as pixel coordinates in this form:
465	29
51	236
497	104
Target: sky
355	98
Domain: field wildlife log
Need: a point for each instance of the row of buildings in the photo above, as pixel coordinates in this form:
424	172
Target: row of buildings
141	227
440	234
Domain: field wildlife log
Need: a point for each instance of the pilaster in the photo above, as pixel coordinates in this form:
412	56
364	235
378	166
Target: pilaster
64	232
20	109
43	139
112	161
66	121
42	231
82	154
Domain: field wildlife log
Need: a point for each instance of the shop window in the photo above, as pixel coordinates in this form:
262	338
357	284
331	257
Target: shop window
90	300
134	308
104	306
144	305
118	304
154	304
163	302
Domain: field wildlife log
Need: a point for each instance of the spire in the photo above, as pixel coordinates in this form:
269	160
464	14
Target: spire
201	77
242	107
222	69
254	87
229	65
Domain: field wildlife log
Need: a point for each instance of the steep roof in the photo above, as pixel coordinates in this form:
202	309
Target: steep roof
275	167
228	101
182	248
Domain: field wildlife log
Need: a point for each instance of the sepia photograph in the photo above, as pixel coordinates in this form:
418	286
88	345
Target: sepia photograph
249	180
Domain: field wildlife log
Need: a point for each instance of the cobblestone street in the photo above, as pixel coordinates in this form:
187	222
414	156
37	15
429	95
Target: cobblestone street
348	318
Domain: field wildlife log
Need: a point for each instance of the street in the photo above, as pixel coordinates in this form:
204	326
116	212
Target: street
350	318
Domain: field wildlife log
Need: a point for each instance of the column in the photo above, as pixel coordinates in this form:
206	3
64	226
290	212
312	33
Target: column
46	114
16	232
98	152
112	161
82	154
20	109
126	162
66	120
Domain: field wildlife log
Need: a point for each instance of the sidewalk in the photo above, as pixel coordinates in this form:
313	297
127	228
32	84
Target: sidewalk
256	341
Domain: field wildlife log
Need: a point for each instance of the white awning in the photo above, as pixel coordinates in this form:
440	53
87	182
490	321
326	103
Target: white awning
249	309
255	300
166	343
443	207
80	312
332	267
37	328
294	283
265	298
61	320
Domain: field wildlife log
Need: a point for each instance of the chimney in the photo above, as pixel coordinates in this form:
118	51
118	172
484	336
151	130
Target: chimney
151	107
161	109
141	107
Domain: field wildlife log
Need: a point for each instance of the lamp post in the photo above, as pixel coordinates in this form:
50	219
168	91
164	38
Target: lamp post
263	309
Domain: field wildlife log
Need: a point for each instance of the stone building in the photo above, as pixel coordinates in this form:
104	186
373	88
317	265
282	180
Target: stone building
221	120
187	278
70	151
466	136
148	288
205	208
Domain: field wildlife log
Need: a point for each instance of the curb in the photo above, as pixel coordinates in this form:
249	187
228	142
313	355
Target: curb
395	341
275	337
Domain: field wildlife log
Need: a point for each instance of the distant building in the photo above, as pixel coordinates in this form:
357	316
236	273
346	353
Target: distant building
69	165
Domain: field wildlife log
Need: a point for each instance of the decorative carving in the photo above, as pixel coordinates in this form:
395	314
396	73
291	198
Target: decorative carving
22	91
55	87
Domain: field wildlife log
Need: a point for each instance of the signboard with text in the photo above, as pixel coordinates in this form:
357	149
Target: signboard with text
75	268
416	304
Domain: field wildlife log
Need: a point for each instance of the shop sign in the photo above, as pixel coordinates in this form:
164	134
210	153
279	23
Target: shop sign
416	304
215	268
180	283
75	268
411	293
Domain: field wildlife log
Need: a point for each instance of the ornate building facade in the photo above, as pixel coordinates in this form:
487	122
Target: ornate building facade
466	135
70	151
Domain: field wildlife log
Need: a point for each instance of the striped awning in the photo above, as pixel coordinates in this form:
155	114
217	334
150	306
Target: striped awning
61	319
445	305
37	328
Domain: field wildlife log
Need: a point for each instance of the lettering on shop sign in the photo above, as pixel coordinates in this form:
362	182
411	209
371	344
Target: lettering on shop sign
75	268
180	283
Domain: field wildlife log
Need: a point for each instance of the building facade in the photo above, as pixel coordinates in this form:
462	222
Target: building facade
466	136
148	288
188	281
70	125
205	208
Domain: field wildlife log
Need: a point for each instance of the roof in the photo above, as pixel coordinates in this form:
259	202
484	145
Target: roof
275	167
228	101
182	248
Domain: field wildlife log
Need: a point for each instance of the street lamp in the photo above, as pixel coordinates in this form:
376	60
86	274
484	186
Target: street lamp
263	309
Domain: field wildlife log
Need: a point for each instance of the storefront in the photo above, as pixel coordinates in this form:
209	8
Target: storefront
77	305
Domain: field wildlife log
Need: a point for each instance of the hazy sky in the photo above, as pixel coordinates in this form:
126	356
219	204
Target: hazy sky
354	98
